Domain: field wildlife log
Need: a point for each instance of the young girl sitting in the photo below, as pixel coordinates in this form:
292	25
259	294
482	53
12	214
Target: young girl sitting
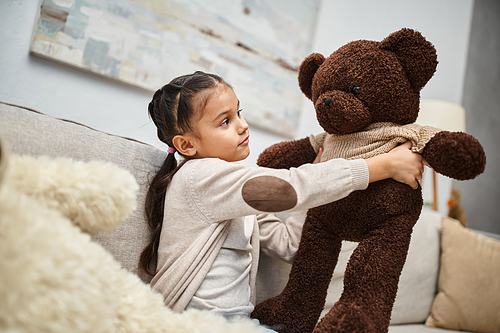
210	217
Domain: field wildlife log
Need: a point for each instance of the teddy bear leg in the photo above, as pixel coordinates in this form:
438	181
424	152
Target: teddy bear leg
371	281
298	307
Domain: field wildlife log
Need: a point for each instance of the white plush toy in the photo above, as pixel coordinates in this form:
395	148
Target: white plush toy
53	277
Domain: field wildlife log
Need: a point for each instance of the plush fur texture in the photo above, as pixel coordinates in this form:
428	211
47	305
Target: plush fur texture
362	83
54	278
95	196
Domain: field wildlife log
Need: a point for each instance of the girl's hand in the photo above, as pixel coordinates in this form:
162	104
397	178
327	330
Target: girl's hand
318	157
407	166
400	164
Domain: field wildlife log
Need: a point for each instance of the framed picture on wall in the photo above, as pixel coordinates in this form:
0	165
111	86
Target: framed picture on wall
256	46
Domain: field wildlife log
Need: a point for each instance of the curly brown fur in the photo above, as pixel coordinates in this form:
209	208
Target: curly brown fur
456	155
409	45
384	236
306	72
286	155
361	83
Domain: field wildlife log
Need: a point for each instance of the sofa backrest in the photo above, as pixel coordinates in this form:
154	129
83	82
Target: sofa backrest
26	131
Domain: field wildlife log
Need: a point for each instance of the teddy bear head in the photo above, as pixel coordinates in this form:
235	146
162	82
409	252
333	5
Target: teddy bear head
364	82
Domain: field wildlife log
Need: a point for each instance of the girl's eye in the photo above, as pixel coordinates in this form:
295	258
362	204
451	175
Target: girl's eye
227	120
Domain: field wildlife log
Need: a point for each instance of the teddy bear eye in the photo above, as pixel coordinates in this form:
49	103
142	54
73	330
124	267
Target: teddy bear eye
356	91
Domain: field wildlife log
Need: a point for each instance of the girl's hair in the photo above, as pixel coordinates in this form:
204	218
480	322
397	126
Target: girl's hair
172	110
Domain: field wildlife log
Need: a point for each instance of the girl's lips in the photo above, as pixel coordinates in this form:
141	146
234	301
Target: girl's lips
246	141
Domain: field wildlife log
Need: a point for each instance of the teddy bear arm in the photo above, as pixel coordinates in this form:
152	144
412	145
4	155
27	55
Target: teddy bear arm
455	154
288	154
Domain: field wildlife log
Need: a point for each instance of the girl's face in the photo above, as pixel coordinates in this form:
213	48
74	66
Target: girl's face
221	132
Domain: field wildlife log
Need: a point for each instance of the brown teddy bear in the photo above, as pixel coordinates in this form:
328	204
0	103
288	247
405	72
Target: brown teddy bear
366	95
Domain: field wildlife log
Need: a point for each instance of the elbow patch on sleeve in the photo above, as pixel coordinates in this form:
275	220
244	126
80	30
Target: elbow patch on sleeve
269	194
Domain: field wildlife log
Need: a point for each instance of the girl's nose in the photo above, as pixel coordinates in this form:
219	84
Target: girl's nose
243	125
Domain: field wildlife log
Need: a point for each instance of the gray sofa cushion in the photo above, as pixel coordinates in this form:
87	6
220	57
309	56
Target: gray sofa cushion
26	131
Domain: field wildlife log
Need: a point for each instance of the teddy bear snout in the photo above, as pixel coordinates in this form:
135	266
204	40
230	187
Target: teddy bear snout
339	112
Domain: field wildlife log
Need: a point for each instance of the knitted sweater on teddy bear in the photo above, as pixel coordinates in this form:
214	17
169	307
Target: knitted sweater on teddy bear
376	139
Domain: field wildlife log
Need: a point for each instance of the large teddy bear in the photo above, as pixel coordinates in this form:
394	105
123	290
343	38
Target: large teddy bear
53	277
366	95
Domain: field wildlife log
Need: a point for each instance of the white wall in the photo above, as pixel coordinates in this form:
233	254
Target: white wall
120	109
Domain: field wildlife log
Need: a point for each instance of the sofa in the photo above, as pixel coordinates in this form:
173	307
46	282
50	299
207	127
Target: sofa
445	284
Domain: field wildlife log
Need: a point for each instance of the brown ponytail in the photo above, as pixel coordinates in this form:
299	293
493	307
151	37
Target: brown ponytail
171	109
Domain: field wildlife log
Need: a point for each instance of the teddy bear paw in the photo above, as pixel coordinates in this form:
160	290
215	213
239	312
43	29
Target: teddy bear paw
346	318
269	313
284	314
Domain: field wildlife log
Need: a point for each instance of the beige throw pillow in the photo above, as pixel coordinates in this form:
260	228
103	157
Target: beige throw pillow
469	281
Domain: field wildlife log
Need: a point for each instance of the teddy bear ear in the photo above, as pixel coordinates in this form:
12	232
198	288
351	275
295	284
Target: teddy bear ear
307	69
416	54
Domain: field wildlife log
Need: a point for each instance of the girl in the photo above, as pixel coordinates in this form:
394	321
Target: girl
209	216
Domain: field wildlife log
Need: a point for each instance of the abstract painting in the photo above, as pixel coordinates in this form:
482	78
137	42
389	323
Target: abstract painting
255	45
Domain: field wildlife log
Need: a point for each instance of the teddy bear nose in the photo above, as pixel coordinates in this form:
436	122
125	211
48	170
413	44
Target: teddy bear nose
328	101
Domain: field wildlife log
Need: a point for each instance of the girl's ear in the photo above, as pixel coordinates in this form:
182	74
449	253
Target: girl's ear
184	144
